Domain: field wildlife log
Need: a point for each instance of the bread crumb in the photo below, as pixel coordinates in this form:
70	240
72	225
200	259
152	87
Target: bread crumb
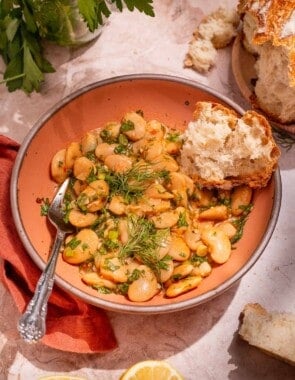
214	32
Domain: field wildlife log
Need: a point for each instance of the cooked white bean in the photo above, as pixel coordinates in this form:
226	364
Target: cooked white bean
192	238
117	205
153	149
104	150
165	162
138	126
80	219
166	273
205	269
118	163
73	151
219	212
154	130
113	129
178	249
123	231
228	228
157	191
182	270
58	167
88	143
81	247
112	269
82	168
183	286
93	279
218	243
241	197
145	287
165	220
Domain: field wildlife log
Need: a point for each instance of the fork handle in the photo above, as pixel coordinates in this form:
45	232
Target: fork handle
32	326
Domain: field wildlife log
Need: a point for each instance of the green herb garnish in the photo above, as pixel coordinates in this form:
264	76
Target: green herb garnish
45	206
173	137
182	222
127	125
144	242
25	23
239	223
131	184
73	243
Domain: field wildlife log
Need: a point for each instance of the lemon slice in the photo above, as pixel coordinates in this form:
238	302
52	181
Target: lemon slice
151	370
61	377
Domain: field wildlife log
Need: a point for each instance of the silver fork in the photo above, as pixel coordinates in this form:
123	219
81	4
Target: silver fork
32	324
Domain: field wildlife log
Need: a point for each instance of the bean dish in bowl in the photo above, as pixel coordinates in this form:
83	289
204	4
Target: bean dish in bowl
149	237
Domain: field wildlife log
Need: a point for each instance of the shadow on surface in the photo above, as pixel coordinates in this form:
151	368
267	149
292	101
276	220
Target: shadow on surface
251	363
139	337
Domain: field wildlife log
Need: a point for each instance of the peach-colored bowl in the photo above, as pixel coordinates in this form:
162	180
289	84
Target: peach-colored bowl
168	99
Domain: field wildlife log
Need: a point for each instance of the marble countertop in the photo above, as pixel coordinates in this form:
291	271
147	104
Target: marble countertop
201	342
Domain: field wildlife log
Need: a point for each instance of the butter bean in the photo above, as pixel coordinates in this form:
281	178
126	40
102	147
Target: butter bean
183	286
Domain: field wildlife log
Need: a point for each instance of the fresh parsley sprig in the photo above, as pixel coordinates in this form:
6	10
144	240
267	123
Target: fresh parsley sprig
24	24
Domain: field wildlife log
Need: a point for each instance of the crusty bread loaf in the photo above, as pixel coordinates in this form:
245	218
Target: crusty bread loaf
269	33
215	31
224	150
273	333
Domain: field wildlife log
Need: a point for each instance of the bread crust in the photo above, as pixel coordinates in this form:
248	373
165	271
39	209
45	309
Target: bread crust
271	18
257	179
261	328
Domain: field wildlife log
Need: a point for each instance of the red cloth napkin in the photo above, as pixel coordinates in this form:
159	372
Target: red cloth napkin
72	325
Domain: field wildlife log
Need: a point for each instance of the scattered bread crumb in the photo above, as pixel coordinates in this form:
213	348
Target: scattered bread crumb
214	32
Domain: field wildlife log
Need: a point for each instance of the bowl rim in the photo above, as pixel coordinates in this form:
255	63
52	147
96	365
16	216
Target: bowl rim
110	305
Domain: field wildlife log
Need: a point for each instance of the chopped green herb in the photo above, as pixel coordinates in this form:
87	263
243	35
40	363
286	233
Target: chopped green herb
197	260
182	222
107	136
85	246
239	223
127	125
135	275
102	289
91	155
45	206
73	243
123	288
176	277
173	137
82	202
91	176
109	265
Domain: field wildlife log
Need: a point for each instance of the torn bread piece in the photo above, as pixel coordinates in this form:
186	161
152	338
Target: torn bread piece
271	332
224	150
269	33
215	31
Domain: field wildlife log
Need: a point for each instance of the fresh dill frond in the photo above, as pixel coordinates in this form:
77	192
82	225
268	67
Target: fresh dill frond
144	242
131	184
